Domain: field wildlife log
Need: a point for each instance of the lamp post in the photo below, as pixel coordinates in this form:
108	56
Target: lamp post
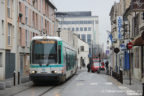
59	30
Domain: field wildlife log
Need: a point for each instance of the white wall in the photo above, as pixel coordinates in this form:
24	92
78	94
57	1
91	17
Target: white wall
2	30
83	54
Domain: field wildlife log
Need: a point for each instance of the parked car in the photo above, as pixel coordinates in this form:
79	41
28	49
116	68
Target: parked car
97	67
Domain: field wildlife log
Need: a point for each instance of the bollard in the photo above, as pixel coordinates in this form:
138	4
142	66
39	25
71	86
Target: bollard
143	89
18	78
121	75
14	78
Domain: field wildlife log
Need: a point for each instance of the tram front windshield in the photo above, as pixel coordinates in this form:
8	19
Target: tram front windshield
44	52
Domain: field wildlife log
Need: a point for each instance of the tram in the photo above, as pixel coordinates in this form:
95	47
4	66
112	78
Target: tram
51	59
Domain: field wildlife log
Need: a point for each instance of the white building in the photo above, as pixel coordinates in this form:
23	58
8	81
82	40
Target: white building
81	23
82	47
2	39
83	52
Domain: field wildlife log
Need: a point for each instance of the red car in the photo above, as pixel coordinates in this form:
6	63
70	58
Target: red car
96	67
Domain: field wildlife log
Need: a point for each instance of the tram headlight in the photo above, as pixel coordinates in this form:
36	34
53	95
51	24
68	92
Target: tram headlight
33	72
53	71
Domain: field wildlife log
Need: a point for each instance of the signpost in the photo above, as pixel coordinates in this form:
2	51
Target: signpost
116	50
129	47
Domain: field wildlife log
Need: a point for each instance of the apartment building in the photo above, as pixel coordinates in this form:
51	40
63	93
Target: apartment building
132	14
2	39
36	17
22	19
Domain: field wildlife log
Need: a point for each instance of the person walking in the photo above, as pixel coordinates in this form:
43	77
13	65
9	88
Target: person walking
88	67
107	66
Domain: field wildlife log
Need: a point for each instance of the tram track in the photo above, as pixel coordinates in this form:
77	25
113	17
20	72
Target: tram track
47	91
41	90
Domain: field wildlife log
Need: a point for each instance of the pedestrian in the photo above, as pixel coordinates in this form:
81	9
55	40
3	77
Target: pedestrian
88	67
107	66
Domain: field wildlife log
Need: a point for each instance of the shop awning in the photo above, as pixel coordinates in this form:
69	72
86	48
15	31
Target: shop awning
138	42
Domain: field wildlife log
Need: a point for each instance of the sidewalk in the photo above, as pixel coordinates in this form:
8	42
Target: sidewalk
135	84
15	89
135	89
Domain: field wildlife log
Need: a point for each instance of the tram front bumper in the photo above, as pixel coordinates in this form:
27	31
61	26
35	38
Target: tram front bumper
46	77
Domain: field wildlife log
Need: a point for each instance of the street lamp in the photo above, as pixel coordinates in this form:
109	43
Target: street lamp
59	30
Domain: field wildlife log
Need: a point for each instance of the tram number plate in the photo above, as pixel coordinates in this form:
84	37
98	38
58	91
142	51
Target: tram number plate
43	69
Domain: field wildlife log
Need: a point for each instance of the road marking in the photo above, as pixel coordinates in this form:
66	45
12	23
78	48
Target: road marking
108	83
112	91
93	83
130	92
79	84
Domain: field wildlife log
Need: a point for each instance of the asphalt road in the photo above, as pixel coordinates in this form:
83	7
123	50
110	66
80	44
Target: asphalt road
82	84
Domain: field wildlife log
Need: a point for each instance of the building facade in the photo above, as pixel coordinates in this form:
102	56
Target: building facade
81	23
21	20
130	61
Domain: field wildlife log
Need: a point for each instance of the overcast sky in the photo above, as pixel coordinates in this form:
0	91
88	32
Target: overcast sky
99	8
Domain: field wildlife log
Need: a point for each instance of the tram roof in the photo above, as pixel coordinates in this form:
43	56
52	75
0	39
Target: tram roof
46	37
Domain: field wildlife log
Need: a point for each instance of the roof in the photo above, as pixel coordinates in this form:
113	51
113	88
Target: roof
52	5
46	37
73	14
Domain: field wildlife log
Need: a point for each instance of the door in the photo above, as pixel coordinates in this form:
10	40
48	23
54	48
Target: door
10	64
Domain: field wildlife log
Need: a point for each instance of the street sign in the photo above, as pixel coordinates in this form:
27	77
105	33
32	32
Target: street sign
119	26
116	50
129	45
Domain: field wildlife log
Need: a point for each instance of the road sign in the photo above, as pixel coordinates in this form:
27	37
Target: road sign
116	50
129	45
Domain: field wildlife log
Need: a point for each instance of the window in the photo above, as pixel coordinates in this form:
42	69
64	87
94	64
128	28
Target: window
26	15
83	37
137	58
8	8
20	31
73	29
41	4
85	28
78	35
9	34
2	27
41	22
33	19
1	59
89	28
69	29
27	38
81	28
82	48
89	38
96	22
77	29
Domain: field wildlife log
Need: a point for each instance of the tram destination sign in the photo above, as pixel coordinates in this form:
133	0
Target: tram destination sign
45	42
137	5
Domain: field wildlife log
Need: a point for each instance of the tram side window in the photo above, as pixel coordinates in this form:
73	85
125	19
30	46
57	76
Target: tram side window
59	52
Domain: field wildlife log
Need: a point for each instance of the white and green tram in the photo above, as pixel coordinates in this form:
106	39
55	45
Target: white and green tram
51	59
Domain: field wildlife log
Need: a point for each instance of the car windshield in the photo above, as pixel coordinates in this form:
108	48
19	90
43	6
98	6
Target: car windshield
97	64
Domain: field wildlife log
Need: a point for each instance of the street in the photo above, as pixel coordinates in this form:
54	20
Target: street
82	84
